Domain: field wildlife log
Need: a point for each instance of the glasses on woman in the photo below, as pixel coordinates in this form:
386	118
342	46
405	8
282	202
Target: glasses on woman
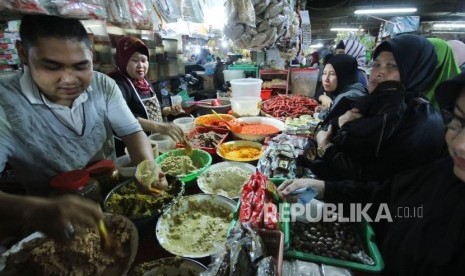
376	65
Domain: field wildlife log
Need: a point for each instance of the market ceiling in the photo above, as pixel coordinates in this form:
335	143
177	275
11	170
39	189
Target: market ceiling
325	14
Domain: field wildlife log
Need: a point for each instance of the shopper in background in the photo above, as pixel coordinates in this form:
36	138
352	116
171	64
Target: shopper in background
132	60
58	115
446	68
393	128
319	87
339	80
358	51
426	235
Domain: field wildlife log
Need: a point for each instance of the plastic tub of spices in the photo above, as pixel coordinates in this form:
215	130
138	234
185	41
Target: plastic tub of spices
76	182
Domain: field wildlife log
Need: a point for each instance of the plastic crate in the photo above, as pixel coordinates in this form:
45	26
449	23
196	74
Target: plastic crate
274	242
367	236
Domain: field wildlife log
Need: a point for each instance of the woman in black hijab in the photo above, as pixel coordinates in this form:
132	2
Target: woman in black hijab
339	80
392	129
426	204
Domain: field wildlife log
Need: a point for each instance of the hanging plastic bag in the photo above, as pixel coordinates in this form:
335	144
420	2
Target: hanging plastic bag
83	9
240	11
26	6
168	10
140	17
192	11
118	13
6	4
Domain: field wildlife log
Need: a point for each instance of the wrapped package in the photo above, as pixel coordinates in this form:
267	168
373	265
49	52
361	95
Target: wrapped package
26	6
192	11
83	9
118	13
168	10
141	18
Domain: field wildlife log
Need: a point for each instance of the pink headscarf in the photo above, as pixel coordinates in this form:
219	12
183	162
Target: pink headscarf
458	48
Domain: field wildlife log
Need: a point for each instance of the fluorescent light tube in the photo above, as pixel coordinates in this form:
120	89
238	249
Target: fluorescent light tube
449	25
345	29
386	10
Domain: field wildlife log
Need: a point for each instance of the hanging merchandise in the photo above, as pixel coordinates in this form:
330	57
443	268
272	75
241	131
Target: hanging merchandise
271	22
141	19
82	9
118	13
26	6
192	11
168	10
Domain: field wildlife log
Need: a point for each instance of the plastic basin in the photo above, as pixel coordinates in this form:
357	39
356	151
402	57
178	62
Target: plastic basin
200	158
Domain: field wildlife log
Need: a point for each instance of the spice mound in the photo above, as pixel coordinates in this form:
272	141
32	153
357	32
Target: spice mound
258	129
127	200
177	165
240	153
195	227
226	182
82	255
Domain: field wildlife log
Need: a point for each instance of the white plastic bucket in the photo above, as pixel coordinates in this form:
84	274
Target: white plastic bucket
230	75
246	106
246	87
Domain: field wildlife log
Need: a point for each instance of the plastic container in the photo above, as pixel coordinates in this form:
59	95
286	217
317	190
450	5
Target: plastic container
265	94
200	158
163	142
246	87
303	81
246	106
105	173
76	182
185	123
230	75
122	165
367	236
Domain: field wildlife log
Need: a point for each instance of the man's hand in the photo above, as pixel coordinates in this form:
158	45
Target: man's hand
350	115
61	217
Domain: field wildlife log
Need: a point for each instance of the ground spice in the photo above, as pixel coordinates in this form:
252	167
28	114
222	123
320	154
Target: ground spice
258	129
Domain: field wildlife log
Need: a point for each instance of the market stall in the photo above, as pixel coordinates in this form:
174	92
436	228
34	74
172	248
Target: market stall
221	198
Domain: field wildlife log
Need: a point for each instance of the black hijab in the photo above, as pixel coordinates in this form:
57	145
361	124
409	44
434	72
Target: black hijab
416	59
346	72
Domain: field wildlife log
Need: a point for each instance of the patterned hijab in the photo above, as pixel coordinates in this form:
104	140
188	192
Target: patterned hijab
446	68
416	59
357	50
126	47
